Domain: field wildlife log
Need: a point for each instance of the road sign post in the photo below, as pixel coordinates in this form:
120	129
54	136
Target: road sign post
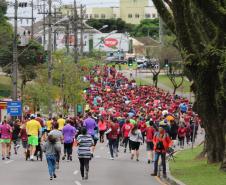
14	108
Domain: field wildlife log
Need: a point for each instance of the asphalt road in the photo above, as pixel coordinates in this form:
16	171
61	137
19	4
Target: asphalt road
103	171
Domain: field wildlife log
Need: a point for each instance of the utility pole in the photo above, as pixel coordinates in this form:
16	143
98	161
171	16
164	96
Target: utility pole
15	57
160	31
75	29
50	52
55	33
44	25
67	26
32	19
82	29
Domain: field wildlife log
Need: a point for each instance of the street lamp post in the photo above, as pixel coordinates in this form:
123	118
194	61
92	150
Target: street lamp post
103	27
15	56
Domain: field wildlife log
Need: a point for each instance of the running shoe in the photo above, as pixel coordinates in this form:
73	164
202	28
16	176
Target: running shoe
112	158
51	178
54	175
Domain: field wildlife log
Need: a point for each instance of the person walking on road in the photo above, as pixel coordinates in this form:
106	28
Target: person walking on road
6	131
102	128
162	142
90	124
150	132
59	139
136	138
15	135
113	131
126	128
24	138
69	133
61	122
51	148
33	129
85	143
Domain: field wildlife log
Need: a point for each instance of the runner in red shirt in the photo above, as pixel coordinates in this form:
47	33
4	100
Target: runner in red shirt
126	128
150	132
142	126
113	131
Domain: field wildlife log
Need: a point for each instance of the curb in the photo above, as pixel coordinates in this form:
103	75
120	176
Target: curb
170	180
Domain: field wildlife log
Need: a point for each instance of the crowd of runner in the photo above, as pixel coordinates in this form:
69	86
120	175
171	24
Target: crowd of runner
118	113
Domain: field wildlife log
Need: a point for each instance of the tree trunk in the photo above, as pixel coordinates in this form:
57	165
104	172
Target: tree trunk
204	151
214	140
223	164
155	80
174	90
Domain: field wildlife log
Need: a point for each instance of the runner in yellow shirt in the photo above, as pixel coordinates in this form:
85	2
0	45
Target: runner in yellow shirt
33	127
61	122
49	125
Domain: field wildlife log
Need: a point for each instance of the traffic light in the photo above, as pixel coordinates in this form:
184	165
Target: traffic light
22	4
130	61
166	62
85	90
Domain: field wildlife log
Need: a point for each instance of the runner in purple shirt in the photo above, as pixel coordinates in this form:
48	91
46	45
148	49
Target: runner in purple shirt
90	124
69	133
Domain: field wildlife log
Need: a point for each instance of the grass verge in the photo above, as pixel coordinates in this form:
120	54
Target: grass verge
185	88
194	171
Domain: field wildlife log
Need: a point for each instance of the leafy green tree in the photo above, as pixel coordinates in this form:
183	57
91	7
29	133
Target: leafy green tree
6	36
147	27
201	35
113	24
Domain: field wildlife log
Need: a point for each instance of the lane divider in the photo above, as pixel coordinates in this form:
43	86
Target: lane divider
8	162
77	183
75	172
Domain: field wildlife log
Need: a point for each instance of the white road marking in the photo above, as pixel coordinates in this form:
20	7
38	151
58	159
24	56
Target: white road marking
77	183
7	162
102	148
75	172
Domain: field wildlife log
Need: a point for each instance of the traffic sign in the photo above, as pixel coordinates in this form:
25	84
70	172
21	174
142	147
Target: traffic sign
14	108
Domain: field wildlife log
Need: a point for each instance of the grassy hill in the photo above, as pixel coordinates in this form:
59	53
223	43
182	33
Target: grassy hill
5	86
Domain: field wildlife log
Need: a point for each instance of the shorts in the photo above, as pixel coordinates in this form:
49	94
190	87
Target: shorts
150	146
33	140
7	141
24	144
134	145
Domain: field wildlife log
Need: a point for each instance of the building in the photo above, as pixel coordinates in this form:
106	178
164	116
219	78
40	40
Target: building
131	11
103	13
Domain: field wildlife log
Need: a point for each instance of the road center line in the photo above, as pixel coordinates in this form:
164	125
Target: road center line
7	162
75	172
77	183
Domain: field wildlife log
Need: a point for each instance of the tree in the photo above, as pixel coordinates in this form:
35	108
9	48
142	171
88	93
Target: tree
174	72
201	34
33	55
147	27
113	24
6	36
